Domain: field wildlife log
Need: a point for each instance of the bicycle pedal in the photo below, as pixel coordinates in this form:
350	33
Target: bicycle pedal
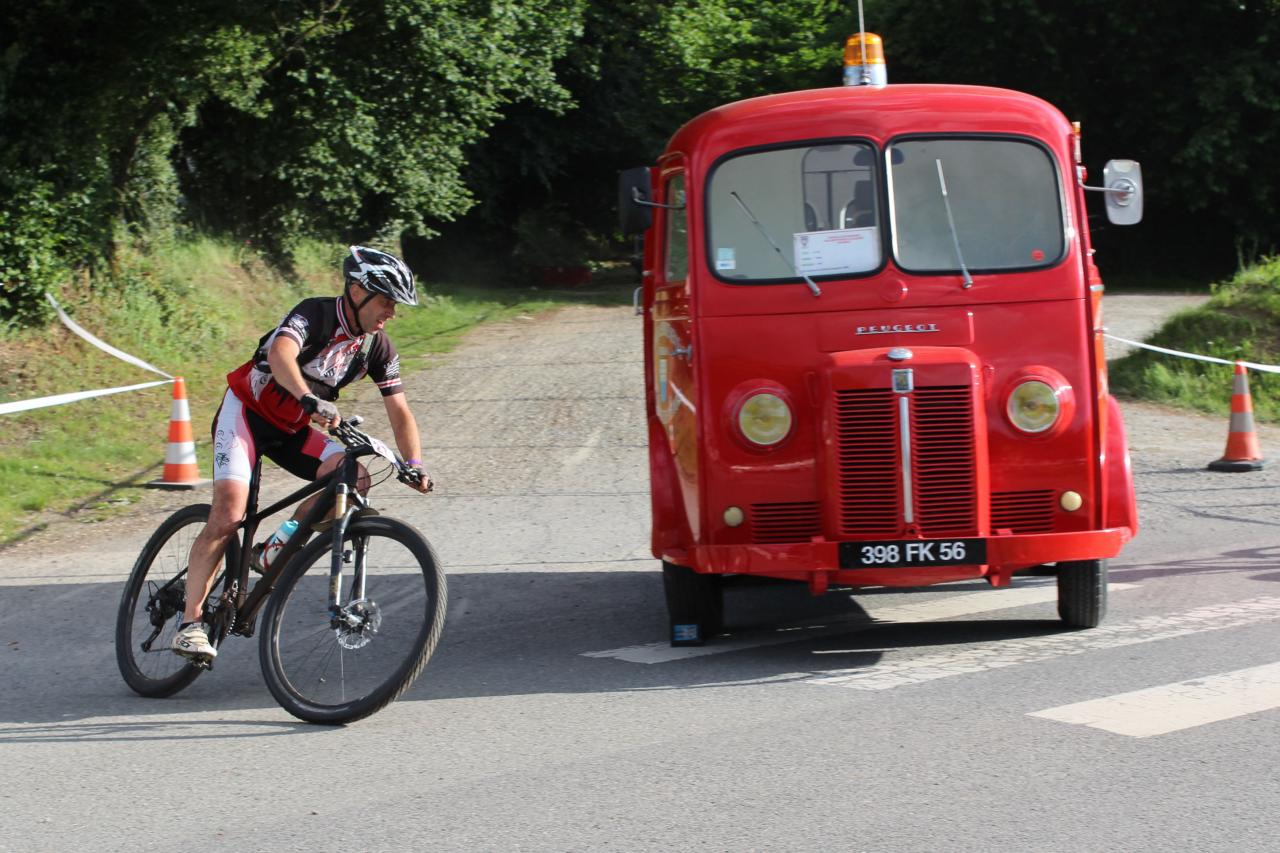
198	661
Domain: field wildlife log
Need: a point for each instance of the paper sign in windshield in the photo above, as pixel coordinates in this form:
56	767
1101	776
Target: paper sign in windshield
841	251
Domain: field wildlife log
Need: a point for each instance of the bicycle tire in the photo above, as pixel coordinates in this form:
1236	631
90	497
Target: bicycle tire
305	659
159	672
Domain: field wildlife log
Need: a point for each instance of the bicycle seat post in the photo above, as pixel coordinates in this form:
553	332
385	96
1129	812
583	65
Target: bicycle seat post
250	524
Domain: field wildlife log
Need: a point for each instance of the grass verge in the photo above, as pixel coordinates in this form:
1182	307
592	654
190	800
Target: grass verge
194	310
1240	321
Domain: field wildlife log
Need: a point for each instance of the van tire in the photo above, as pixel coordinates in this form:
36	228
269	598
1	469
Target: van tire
1082	593
695	604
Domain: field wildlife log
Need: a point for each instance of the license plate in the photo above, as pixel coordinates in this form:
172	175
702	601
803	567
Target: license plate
912	553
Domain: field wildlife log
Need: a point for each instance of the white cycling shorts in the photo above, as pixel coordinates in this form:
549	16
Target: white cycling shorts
239	437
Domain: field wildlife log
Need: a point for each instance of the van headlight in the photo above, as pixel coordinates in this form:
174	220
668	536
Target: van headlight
764	419
1033	406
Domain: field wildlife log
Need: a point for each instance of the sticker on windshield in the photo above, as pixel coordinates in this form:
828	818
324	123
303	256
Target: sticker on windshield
726	259
842	251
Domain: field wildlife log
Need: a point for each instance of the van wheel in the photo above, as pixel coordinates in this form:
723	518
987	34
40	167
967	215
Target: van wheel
1082	592
695	604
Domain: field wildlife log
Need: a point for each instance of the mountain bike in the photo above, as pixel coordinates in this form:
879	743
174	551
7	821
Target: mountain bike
331	652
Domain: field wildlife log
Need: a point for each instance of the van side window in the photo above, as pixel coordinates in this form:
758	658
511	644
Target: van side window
677	243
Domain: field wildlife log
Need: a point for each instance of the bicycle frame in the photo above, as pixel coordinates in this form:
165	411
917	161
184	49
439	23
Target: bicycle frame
341	496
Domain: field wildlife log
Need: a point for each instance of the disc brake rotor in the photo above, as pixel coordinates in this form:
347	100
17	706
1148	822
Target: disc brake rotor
358	622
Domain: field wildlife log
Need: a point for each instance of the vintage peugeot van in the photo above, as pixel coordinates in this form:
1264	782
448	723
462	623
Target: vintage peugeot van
874	347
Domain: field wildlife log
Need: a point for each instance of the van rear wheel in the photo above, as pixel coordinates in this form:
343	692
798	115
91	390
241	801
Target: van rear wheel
695	604
1082	592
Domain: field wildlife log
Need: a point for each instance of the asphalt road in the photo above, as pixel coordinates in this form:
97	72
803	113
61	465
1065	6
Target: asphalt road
552	717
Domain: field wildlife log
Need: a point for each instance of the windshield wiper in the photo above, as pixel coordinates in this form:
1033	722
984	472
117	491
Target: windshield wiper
951	223
756	222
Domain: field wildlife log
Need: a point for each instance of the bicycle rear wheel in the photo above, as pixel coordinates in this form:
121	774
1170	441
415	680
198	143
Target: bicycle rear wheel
338	668
152	604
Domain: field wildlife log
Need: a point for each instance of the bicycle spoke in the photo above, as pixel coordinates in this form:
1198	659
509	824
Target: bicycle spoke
375	644
151	608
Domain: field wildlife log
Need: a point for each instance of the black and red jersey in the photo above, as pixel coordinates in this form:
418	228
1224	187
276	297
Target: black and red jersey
331	357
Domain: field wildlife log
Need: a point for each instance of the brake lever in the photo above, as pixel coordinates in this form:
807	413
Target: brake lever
413	476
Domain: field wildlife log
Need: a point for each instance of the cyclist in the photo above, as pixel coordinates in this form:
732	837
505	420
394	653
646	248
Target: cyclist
293	378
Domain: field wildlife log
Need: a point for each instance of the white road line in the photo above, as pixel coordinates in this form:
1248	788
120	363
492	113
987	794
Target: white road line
997	655
1173	707
923	611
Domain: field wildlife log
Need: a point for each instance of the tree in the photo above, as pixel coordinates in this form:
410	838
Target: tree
1192	90
639	71
328	118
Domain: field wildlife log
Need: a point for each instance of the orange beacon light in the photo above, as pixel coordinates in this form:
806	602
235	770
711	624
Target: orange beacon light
864	61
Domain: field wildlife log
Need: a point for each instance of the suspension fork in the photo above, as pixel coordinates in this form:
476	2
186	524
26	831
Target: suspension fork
347	502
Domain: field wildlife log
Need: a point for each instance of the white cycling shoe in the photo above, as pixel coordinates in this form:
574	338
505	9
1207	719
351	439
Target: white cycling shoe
192	641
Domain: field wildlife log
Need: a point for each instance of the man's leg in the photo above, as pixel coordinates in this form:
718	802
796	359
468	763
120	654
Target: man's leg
326	467
232	470
312	455
230	498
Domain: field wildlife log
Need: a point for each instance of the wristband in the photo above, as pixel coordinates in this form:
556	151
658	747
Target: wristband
413	462
308	403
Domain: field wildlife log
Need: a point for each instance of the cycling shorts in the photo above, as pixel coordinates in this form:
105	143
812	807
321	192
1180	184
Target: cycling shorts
240	436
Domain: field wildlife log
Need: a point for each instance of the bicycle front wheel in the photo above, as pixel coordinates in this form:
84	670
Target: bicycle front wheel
152	603
333	667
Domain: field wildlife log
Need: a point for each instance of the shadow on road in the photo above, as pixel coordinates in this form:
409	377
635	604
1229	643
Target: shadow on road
1241	561
507	634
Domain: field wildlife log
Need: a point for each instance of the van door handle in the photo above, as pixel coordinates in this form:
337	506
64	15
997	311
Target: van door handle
683	352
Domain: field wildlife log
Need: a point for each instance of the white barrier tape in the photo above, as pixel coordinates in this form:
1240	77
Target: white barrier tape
1252	365
102	345
59	399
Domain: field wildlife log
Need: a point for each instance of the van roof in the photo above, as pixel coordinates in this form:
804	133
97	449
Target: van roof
877	113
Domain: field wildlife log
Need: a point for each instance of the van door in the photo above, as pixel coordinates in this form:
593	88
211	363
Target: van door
675	390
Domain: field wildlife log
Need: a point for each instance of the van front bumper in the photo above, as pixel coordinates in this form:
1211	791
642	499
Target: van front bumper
818	562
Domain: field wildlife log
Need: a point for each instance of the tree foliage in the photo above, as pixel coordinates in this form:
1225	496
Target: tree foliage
1192	90
641	69
272	121
128	120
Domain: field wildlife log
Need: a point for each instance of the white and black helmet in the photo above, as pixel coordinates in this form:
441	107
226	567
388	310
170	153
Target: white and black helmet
379	272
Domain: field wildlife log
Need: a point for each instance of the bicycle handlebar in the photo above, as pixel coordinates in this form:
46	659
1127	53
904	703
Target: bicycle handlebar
354	439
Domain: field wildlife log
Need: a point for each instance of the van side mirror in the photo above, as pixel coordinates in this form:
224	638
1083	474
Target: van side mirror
1122	180
635	193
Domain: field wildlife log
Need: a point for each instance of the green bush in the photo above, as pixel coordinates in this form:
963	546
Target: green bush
1241	321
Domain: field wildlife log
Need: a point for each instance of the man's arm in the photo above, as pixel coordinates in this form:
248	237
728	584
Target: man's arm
283	358
405	428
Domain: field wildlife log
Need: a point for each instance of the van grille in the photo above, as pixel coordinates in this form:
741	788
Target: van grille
869	462
785	522
1023	512
942	443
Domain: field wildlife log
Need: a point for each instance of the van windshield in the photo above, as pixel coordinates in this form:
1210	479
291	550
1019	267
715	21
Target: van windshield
777	214
1004	198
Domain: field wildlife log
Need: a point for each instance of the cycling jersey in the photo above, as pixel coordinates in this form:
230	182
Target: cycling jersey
331	357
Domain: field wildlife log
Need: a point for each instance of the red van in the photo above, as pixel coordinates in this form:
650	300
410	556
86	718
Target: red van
874	347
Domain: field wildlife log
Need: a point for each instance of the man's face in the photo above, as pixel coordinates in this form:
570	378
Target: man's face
376	312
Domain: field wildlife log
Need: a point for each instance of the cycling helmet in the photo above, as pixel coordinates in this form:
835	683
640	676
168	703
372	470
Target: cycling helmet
379	272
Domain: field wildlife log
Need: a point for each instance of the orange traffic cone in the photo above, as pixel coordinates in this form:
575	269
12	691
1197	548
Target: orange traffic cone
180	469
1242	453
